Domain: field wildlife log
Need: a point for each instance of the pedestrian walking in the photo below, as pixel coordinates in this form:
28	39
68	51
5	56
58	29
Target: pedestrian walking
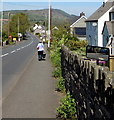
40	48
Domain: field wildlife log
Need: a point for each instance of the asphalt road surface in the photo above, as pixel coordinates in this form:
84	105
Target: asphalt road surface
34	95
14	60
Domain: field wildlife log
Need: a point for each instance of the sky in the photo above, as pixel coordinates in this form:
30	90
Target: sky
52	0
71	7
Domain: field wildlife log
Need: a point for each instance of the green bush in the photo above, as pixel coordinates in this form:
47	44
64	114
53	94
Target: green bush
55	57
81	51
38	34
57	72
67	108
75	45
13	34
11	43
4	36
60	84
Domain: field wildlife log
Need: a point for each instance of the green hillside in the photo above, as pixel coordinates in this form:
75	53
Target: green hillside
59	17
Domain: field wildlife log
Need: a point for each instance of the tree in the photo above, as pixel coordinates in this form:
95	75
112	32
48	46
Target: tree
19	23
4	36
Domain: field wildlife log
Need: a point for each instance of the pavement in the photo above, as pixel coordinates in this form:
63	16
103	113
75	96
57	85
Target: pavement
34	95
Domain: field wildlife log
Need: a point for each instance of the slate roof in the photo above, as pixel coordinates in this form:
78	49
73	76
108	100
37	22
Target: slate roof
79	22
100	11
75	19
112	10
110	27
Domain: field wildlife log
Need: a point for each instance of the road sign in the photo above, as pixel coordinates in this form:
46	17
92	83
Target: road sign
98	53
14	39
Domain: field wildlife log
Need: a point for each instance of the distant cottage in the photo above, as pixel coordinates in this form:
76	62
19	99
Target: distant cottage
95	24
78	28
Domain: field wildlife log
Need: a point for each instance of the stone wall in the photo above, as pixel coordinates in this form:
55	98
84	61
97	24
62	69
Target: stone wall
91	85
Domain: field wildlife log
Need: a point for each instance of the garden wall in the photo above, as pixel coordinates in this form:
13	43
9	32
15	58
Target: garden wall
91	85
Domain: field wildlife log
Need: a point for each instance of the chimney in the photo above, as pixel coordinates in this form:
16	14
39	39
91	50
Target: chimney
103	4
82	14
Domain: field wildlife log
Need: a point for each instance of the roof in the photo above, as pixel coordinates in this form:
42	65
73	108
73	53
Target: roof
100	11
112	10
75	18
110	26
79	22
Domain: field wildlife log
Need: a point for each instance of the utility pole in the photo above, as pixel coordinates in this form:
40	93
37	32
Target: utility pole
49	21
45	18
1	24
18	24
18	29
50	24
45	25
8	26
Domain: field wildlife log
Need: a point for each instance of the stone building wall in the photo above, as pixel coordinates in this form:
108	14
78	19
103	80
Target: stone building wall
91	85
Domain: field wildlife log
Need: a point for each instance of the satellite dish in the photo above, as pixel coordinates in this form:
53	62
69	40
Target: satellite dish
94	24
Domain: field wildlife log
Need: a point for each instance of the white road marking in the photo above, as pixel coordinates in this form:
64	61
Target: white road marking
13	51
22	47
16	50
27	45
4	55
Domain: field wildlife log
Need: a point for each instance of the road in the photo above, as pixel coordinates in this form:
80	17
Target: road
34	94
14	61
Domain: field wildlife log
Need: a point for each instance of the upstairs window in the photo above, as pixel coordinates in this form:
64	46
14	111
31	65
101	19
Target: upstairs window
112	16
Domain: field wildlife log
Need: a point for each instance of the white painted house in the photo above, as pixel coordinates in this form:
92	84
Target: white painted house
35	27
95	23
78	28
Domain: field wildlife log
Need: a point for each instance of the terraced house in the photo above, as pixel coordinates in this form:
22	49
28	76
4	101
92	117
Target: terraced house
95	31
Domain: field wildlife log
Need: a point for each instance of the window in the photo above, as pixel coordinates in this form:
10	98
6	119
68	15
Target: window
80	31
112	16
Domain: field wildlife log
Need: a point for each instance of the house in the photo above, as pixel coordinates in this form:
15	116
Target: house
38	29
78	28
95	23
108	36
41	30
35	27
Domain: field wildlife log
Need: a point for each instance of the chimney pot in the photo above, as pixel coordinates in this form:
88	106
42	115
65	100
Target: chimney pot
82	14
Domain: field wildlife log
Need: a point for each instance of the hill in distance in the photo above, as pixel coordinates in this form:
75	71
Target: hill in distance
59	17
